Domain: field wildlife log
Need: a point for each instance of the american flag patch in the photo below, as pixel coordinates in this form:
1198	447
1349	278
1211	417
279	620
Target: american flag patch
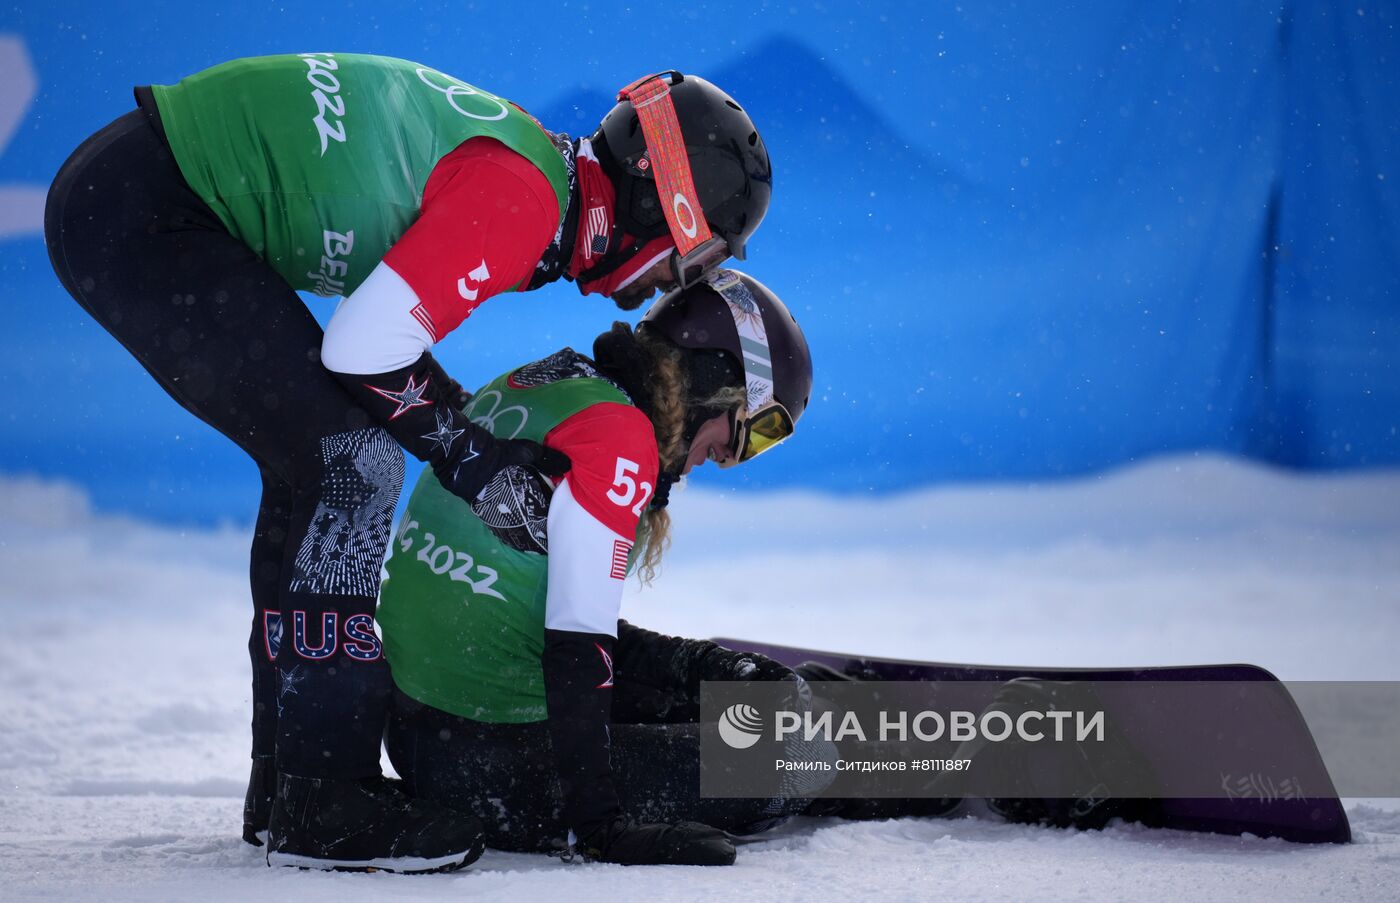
425	319
595	233
621	549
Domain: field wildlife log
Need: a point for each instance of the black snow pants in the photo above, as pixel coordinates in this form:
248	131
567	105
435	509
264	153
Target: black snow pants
233	344
505	775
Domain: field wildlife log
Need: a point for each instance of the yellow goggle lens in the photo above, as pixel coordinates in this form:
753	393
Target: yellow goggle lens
765	431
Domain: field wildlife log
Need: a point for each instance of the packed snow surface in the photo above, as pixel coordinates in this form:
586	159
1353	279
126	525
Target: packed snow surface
124	687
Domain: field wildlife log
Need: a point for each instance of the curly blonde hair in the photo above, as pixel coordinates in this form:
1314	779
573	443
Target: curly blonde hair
670	404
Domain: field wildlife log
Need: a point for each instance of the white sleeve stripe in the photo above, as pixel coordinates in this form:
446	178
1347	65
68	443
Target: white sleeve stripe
585	590
643	268
380	327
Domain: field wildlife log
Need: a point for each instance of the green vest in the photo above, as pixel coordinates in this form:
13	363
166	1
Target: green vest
462	613
318	161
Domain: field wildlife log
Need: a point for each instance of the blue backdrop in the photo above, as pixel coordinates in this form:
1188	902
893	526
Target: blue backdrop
1025	242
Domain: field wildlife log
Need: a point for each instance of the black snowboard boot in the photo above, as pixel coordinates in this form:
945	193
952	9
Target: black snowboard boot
1097	771
257	804
362	825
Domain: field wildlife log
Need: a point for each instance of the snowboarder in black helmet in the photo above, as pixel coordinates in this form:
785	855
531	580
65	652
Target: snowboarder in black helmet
185	229
762	335
732	174
514	677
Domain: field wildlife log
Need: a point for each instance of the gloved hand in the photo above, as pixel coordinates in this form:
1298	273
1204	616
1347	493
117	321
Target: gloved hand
421	407
514	505
483	456
684	843
720	663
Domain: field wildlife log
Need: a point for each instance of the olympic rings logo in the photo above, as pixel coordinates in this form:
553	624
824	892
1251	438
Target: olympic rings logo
459	89
490	418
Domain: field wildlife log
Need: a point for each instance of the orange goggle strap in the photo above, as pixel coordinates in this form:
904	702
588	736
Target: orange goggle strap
651	98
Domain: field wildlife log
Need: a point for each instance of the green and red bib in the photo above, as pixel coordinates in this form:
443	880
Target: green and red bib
318	161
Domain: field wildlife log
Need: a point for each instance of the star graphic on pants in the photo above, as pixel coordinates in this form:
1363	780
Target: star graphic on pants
411	396
290	679
445	434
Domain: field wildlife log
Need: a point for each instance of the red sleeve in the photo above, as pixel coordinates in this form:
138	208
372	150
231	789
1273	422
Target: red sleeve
613	450
487	216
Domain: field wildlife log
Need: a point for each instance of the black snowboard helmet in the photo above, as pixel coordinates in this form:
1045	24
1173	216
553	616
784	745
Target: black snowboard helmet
733	177
755	334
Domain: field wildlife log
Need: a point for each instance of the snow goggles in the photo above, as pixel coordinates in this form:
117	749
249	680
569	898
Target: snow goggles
763	421
698	250
755	433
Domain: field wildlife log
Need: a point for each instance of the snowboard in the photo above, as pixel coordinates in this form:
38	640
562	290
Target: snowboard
1268	735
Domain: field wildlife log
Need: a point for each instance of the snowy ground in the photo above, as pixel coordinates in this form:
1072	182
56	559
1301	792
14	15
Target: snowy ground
123	693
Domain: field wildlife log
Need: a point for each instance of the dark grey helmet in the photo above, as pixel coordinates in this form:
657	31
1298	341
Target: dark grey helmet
698	318
733	176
